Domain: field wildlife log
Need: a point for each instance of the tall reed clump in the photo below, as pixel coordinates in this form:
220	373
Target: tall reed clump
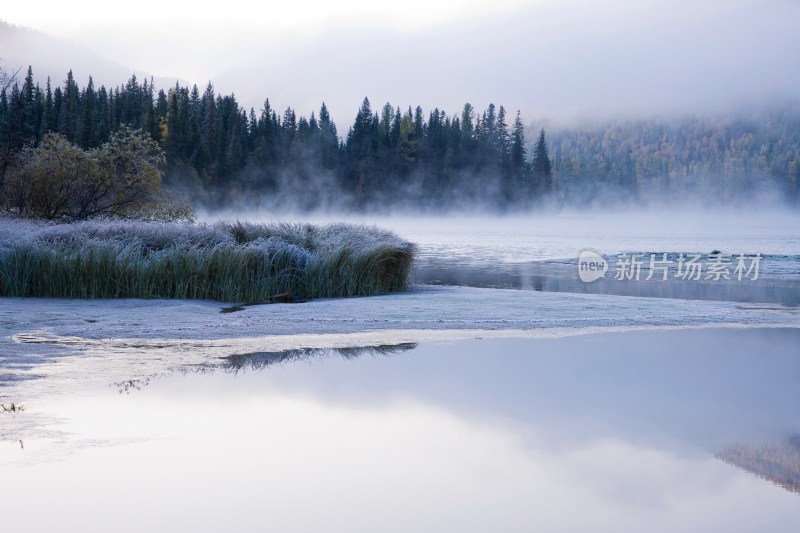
234	262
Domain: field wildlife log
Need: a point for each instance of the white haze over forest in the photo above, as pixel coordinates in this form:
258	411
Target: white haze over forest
571	59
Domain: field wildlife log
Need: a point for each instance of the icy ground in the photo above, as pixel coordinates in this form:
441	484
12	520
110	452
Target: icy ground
52	349
33	331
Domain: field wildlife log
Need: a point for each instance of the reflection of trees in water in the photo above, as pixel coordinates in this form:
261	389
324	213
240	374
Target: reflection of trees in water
261	360
779	463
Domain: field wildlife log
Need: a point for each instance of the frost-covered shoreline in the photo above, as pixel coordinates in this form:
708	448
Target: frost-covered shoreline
71	343
424	307
30	326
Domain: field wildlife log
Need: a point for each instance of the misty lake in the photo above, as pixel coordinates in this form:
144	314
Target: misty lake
482	266
464	405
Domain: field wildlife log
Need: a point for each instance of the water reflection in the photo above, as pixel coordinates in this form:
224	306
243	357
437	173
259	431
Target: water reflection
606	432
776	462
777	283
261	360
696	390
129	385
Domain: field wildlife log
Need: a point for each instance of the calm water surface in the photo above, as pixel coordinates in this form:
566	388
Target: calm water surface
605	432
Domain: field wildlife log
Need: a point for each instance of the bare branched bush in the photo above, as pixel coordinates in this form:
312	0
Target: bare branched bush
57	180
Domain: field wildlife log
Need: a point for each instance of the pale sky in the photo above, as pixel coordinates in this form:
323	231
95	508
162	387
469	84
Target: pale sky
198	41
547	58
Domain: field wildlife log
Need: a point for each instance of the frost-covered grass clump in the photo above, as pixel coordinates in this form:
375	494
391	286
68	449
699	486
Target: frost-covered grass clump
235	262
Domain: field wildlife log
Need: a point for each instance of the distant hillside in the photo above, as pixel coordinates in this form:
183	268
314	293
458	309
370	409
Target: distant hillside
53	57
753	154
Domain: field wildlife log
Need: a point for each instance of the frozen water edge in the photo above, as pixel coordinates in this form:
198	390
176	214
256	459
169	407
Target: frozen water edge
32	326
50	348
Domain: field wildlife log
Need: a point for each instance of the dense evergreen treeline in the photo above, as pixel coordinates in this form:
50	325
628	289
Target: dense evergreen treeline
218	153
711	159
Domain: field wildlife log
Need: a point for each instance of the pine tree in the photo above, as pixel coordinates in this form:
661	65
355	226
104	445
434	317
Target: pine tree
503	145
385	125
48	120
150	122
407	147
85	132
102	125
29	124
467	118
58	104
541	168
208	128
70	108
360	146
518	151
15	119
132	103
329	140
518	156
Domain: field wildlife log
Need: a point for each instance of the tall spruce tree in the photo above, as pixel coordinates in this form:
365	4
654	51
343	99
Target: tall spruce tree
541	168
70	108
29	124
518	155
85	133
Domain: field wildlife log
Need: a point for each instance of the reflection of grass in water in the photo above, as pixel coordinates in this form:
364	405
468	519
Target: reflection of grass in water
125	387
261	360
240	262
778	463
